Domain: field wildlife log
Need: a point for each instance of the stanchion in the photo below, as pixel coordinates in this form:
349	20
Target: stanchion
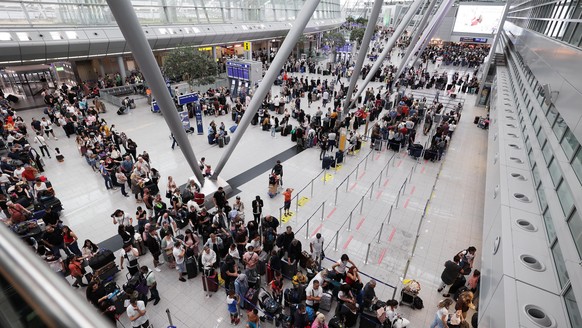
311	188
404	185
307	231
357	170
297	202
367	253
324	176
361	204
322	210
350	222
336	238
372	189
335	197
397	199
280	213
347	183
366	161
380	178
390	214
380	234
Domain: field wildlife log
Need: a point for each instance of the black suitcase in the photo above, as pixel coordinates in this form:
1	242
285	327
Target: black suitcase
220	142
294	136
121	110
394	145
369	320
339	157
326	162
286	130
476	120
12	98
288	269
101	259
358	145
226	140
262	264
255	119
192	267
430	155
53	203
415	150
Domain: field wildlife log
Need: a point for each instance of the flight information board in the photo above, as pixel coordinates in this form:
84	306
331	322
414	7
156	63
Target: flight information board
237	70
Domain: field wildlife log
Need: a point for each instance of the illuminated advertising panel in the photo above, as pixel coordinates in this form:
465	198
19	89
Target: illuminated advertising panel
478	19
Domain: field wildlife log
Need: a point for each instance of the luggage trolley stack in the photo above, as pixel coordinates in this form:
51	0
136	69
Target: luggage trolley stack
409	292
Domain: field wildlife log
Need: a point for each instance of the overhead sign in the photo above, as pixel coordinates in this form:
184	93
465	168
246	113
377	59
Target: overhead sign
247	46
473	40
238	70
187	98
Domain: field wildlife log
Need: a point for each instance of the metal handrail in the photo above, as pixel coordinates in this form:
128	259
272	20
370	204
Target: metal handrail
44	291
296	197
356	169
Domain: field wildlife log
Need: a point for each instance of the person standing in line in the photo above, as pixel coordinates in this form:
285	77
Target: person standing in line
131	254
42	145
150	279
450	273
278	170
316	247
287	194
105	174
232	301
442	314
313	294
136	312
121	180
179	253
257	205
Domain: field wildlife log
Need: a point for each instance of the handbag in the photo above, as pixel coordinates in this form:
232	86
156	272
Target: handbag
454	319
168	194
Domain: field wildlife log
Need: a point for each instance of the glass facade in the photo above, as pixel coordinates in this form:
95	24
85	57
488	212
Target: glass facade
158	12
559	20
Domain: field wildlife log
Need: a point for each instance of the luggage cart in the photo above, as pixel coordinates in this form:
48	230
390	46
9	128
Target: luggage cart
409	292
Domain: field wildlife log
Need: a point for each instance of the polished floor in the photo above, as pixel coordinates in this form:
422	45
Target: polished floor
377	207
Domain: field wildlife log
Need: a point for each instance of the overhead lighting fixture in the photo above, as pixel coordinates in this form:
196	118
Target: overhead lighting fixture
56	35
23	36
5	36
71	35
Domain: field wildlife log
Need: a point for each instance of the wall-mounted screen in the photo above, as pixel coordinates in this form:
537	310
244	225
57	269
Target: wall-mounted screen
478	19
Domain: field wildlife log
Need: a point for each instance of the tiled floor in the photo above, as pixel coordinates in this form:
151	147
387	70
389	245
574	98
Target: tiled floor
367	186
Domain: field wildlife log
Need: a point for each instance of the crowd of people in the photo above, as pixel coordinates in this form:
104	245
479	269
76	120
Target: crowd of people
220	242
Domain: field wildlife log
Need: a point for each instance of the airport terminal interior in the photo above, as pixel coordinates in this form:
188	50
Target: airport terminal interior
267	163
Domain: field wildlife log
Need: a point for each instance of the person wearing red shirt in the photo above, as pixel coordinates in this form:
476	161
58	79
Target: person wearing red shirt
287	204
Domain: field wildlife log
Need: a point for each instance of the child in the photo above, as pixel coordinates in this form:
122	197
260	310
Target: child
208	171
277	286
232	301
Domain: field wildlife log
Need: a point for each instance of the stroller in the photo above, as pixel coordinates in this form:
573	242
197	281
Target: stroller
270	307
273	185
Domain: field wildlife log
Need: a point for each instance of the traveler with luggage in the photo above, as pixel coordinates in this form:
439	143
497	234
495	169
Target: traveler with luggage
150	279
450	273
131	254
314	292
136	312
316	248
179	253
208	260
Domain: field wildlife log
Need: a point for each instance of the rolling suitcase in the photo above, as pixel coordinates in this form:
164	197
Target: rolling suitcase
325	302
430	155
262	264
378	144
210	283
326	162
369	320
304	259
415	150
339	157
288	269
220	142
226	140
394	145
101	259
251	298
191	267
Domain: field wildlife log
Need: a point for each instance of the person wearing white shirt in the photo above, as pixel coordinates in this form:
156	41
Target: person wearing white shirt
136	312
179	253
316	247
313	294
42	145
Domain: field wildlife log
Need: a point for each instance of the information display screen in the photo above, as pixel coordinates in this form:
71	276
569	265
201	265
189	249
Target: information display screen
478	19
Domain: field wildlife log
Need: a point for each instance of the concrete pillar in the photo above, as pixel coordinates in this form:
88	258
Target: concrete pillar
416	37
362	53
214	53
129	25
122	71
391	42
290	40
101	67
249	53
